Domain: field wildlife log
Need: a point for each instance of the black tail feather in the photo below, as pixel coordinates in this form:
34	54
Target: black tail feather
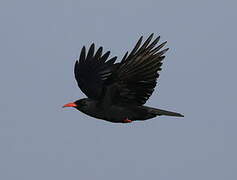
161	112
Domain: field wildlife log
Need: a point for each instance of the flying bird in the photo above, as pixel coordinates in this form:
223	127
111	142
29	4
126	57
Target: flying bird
117	92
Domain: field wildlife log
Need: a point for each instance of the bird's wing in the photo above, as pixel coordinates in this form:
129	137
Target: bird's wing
136	76
92	69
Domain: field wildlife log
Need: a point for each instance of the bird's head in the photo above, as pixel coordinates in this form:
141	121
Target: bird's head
79	104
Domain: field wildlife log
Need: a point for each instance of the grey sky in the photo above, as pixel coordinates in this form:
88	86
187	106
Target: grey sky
39	42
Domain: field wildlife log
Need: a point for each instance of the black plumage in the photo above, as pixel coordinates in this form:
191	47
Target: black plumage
117	92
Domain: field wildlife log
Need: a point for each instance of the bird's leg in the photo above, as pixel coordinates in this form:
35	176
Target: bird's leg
126	120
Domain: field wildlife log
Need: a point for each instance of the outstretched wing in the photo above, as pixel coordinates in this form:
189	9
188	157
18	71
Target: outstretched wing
136	76
91	70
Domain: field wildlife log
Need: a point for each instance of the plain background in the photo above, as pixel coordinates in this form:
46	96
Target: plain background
39	42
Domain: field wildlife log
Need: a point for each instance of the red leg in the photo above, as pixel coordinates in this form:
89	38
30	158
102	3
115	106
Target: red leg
126	120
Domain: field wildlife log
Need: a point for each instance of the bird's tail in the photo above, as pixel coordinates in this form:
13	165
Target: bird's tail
161	112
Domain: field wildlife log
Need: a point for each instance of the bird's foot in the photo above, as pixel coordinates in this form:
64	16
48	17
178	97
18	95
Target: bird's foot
126	120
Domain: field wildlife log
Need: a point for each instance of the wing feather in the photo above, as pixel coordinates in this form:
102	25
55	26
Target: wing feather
92	70
136	75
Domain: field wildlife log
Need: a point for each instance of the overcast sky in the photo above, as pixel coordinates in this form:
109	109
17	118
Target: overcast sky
39	42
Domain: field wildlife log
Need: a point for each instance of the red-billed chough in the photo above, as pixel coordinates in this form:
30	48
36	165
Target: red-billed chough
117	92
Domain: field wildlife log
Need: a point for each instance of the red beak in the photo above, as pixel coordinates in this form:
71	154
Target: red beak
70	105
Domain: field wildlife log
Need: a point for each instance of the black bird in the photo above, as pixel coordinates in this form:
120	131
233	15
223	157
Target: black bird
117	92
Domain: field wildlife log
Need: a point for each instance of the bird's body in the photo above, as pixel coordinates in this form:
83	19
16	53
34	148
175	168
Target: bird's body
115	113
117	92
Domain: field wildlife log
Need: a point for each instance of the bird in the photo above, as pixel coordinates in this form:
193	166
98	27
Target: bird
117	92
